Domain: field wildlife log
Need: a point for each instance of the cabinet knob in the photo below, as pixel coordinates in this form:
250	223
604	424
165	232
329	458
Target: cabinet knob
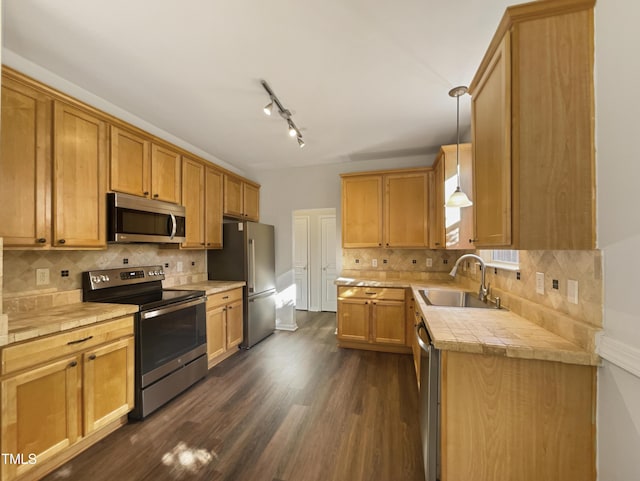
73	363
92	357
387	244
41	240
61	241
437	243
145	193
380	244
155	196
230	307
473	240
201	243
208	243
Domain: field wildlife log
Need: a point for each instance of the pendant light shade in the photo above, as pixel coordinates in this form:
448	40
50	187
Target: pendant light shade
458	198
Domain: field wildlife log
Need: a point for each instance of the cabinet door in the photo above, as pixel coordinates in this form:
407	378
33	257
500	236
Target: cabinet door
108	383
40	413
405	212
251	201
193	201
165	174
79	178
25	166
130	163
362	211
437	200
234	324
353	319
216	331
458	222
491	110
213	208
232	196
389	323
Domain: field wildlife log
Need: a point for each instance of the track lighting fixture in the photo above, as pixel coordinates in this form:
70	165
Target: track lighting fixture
294	131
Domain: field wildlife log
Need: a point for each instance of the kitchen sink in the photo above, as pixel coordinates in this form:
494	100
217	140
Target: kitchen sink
454	298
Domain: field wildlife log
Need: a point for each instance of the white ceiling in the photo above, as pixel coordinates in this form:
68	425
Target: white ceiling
363	78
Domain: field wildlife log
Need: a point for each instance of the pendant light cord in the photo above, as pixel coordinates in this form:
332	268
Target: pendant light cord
458	140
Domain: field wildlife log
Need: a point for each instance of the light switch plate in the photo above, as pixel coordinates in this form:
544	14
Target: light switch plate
374	262
540	283
179	266
429	262
572	291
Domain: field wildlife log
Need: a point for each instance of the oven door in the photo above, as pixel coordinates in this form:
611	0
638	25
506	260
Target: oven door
134	219
170	337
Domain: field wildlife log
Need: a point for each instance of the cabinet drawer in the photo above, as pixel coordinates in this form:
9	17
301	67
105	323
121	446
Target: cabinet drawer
225	297
34	352
387	293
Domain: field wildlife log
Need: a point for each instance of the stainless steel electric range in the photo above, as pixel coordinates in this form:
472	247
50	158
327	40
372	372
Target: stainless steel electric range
170	331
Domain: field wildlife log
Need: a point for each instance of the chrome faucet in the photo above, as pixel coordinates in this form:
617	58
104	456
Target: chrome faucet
484	289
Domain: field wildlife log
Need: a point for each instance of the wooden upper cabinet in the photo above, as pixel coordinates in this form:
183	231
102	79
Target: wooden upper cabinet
241	199
453	226
193	199
79	177
213	208
165	174
386	209
25	166
362	211
406	209
533	130
130	162
251	201
436	206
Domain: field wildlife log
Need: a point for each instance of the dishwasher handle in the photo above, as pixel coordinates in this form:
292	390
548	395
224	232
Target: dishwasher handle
423	345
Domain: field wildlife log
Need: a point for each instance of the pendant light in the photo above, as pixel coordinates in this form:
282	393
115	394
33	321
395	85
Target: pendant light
458	198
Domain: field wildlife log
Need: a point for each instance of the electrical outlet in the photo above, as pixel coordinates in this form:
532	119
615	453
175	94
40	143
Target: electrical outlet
572	291
42	277
374	262
179	266
429	262
540	283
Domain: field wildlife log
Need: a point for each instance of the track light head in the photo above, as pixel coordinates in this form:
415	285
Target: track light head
300	142
292	130
268	109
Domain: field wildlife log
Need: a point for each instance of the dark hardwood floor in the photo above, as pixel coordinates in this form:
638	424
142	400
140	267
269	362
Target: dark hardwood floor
293	408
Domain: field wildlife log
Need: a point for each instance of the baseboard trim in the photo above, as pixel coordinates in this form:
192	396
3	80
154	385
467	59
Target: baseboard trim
287	327
619	353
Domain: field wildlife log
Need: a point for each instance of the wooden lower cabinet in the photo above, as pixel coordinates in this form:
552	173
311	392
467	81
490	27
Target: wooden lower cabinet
372	318
505	419
53	409
224	325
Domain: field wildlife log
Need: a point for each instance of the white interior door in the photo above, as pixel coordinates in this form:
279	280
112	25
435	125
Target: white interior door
301	260
328	259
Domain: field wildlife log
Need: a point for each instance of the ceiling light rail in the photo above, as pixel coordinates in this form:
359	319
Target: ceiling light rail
274	103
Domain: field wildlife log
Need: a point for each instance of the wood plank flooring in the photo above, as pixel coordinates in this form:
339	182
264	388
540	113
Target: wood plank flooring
293	408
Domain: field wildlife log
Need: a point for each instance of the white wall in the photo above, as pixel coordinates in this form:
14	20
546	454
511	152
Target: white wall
618	166
318	187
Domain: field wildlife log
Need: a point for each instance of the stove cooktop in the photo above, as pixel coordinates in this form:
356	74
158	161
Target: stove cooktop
152	300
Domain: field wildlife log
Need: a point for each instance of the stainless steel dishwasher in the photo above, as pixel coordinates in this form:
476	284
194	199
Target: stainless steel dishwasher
429	403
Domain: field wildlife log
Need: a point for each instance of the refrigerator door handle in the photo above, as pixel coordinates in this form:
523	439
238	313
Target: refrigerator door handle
252	265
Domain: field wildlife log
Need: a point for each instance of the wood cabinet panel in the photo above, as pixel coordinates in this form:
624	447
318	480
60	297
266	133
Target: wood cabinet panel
108	383
216	332
40	413
213	208
251	201
389	323
362	211
193	199
458	222
406	210
79	178
436	220
130	162
165	174
233	196
25	166
353	319
225	330
234	324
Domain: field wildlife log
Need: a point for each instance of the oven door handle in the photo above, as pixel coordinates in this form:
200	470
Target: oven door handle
172	308
423	345
174	225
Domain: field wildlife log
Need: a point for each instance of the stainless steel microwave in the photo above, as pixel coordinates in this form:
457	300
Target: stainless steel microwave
134	219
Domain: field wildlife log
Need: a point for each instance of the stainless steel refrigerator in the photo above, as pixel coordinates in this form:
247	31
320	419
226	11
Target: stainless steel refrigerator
248	255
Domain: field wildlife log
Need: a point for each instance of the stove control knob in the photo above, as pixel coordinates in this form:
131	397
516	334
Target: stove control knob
95	279
161	273
151	273
156	273
104	278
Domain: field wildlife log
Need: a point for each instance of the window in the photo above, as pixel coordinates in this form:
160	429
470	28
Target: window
502	259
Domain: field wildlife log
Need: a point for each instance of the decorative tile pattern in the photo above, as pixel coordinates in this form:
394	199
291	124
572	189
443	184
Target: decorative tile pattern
399	260
22	295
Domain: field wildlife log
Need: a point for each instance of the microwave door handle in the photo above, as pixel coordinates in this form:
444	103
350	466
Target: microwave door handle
252	265
173	226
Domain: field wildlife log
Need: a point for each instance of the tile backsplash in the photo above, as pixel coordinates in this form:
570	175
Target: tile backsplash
22	294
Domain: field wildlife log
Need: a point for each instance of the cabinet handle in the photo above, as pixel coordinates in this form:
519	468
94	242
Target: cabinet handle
92	357
145	193
73	363
61	241
226	297
370	293
79	340
201	243
230	307
437	243
155	196
473	240
41	240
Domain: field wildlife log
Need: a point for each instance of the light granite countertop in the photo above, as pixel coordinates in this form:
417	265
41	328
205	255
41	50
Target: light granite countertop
32	324
497	332
211	287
